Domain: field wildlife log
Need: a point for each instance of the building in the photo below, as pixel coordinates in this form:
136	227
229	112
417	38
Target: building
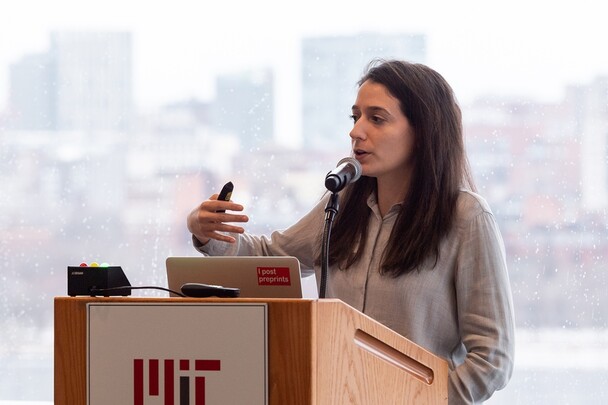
93	73
591	108
31	93
83	83
244	106
331	67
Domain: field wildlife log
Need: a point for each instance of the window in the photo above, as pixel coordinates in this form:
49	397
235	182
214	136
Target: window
110	134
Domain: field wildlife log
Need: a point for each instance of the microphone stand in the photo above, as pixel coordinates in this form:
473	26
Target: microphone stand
331	209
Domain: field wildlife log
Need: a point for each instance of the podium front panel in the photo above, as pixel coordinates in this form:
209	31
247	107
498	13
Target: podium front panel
174	353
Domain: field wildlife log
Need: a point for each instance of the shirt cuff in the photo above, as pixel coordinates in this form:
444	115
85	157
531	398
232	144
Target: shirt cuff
198	245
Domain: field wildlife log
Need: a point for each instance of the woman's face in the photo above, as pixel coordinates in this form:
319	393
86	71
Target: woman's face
382	138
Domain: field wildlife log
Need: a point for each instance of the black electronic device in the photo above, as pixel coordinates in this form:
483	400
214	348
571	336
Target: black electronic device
199	290
225	193
94	281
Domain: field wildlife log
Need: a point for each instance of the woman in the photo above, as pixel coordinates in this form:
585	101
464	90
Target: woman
413	246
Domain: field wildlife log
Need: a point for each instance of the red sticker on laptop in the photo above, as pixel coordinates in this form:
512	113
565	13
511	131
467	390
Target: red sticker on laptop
273	276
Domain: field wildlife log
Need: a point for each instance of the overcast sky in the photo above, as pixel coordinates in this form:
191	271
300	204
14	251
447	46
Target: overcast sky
524	47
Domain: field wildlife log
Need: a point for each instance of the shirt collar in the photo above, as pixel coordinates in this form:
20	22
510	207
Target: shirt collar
372	203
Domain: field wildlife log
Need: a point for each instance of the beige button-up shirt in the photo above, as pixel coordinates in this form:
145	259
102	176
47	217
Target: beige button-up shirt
461	309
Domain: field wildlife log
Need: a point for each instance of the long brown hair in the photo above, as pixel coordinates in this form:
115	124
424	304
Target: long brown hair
440	170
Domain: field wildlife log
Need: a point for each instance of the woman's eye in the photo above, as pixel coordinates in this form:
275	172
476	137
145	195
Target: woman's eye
354	117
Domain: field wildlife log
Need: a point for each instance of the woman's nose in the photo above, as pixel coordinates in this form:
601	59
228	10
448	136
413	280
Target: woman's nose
357	132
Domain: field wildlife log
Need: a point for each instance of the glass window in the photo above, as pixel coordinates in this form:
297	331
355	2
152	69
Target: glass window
116	120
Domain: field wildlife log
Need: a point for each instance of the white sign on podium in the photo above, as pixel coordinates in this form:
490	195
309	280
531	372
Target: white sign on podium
171	353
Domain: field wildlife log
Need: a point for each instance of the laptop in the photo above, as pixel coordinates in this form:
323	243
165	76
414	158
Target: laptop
255	276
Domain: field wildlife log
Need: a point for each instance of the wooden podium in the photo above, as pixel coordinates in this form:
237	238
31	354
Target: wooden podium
320	352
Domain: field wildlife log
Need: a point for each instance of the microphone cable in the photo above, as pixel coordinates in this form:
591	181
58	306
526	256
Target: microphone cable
102	290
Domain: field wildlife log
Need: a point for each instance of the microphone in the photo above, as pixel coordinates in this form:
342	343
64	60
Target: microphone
347	171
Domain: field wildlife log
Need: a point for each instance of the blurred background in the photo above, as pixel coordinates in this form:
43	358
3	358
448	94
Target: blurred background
118	118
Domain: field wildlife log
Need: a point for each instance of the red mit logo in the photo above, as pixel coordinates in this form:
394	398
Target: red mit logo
169	378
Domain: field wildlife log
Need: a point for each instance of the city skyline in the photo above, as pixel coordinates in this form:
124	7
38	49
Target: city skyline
73	196
518	48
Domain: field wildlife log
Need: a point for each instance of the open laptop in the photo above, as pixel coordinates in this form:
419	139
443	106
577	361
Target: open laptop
255	276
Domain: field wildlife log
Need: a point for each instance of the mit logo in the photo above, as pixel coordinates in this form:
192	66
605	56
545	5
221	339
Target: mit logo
169	379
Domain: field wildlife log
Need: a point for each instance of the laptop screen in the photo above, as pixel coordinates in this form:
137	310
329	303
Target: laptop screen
255	276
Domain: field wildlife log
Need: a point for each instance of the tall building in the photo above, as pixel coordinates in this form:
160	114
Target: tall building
83	83
244	106
593	104
331	67
31	93
93	80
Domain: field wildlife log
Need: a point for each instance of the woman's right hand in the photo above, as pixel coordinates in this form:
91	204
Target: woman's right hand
207	221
